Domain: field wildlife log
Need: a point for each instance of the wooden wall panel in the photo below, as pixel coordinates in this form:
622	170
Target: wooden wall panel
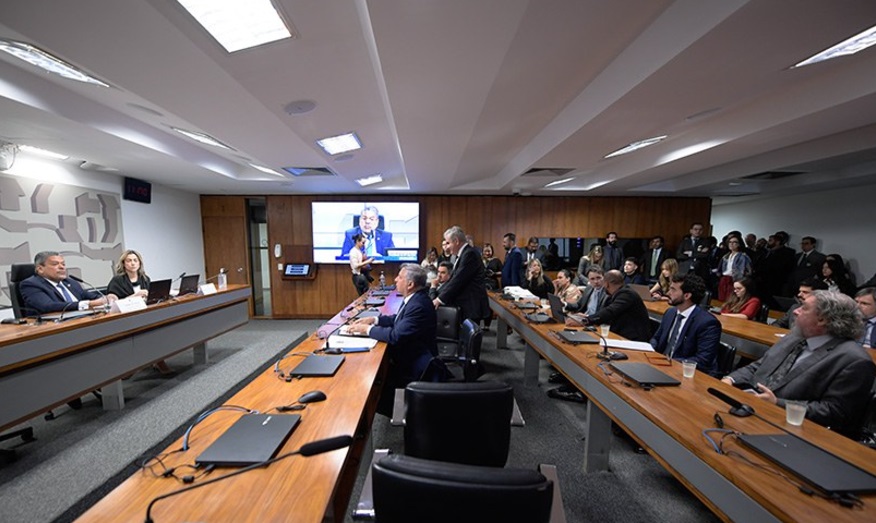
487	218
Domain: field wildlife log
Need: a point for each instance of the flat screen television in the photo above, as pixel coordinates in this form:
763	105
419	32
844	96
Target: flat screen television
392	230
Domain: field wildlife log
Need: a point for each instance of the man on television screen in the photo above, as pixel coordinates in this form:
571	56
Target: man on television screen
377	241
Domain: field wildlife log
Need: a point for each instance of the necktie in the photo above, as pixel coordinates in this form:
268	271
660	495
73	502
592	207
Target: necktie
593	303
65	293
871	326
673	335
654	263
803	259
369	245
785	367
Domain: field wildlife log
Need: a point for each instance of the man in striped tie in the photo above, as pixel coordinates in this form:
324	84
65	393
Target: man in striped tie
50	290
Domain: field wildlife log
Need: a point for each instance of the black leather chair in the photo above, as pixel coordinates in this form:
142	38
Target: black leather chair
408	489
763	313
783	303
19	273
653	325
459	422
448	332
706	302
725	360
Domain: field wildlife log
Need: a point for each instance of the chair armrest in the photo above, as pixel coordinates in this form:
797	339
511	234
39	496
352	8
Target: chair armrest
516	416
398	409
364	510
558	512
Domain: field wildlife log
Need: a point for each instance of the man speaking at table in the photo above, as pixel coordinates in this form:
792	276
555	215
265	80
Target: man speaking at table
687	331
820	363
409	334
50	290
624	310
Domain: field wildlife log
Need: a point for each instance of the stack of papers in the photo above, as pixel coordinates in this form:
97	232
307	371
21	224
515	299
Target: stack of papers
339	341
519	293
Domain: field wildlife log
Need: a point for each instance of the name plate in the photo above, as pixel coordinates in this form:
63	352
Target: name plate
207	289
129	304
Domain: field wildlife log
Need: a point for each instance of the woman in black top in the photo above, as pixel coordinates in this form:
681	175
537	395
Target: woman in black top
130	278
536	281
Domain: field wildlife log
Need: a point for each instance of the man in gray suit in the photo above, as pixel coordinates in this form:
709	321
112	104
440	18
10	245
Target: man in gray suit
820	363
593	296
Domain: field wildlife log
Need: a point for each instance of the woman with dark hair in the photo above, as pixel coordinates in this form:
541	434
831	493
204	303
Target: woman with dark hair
632	276
492	267
834	275
742	303
359	264
566	289
430	263
734	266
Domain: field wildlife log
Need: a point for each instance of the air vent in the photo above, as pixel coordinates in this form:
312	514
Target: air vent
773	175
544	171
301	172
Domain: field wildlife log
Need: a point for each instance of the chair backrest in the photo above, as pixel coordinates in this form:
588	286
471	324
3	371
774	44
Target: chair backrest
763	313
448	332
459	422
470	339
784	303
408	489
653	325
725	360
18	273
706	302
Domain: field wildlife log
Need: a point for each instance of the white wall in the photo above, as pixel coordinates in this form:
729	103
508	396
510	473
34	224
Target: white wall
843	221
167	232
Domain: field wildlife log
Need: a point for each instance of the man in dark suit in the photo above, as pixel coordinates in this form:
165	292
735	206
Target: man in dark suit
594	296
443	276
624	310
512	269
409	334
807	263
466	288
377	241
687	249
686	331
614	255
653	259
772	272
820	363
803	291
50	290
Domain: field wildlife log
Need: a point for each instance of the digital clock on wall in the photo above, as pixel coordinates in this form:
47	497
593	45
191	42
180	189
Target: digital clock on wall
137	190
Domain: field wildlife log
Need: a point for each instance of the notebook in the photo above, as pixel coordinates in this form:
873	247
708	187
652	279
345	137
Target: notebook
159	290
252	439
314	365
819	467
188	284
556	308
644	374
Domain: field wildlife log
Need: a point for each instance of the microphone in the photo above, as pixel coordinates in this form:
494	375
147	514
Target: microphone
606	354
60	318
222	271
737	408
321	335
308	449
80	280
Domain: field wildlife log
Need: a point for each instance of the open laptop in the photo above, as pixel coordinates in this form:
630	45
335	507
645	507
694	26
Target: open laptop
644	374
252	439
643	291
569	336
159	290
188	284
317	366
815	465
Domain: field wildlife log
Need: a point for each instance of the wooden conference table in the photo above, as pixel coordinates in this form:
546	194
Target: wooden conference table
42	366
301	489
668	422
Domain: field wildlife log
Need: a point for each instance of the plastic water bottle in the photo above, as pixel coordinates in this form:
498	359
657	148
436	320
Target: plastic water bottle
382	281
222	280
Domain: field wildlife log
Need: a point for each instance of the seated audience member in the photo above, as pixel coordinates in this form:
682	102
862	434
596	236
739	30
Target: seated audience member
819	363
410	335
631	272
660	290
130	278
733	266
834	275
687	331
742	303
567	291
445	269
492	268
593	296
866	300
806	287
624	310
50	290
596	256
537	281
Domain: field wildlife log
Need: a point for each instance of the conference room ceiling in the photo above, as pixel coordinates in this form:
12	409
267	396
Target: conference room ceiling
457	96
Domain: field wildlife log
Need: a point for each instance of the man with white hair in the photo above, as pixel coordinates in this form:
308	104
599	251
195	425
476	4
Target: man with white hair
466	288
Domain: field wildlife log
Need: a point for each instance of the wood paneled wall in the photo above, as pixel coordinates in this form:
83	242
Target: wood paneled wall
488	218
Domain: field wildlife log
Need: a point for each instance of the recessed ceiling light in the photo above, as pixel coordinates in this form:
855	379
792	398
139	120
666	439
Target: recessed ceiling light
46	61
369	180
342	143
42	152
859	42
558	182
637	145
265	169
299	107
238	25
201	137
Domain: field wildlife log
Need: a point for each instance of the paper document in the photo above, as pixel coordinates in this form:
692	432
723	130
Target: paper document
519	293
630	345
345	342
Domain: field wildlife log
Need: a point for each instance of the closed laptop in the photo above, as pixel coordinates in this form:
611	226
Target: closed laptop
252	439
644	374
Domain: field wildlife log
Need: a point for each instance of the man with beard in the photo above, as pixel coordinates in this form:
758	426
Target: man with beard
614	255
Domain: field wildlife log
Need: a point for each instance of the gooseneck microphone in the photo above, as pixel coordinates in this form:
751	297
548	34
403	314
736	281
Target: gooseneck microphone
80	280
308	449
737	408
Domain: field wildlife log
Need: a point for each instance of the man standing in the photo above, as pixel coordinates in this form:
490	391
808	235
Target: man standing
807	263
819	363
687	331
444	270
377	241
50	290
409	334
653	259
512	269
466	288
775	266
532	252
687	249
624	310
614	255
866	299
803	291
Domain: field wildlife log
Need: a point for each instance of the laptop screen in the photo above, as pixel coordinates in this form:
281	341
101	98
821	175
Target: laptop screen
189	284
556	308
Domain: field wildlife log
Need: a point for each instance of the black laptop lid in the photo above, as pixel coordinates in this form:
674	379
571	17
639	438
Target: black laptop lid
189	284
252	439
556	308
159	290
576	336
314	365
375	302
644	374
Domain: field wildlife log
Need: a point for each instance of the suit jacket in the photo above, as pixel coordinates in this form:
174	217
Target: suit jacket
810	268
789	319
382	241
466	288
835	381
614	258
121	286
410	336
581	305
685	262
646	262
41	297
773	270
625	312
512	269
697	340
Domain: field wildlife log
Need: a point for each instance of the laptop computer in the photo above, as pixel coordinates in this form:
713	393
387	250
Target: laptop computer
367	313
643	291
569	336
375	302
537	317
252	439
159	290
381	293
813	464
317	366
644	374
188	284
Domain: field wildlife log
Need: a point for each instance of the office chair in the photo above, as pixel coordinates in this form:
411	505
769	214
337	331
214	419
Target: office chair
653	325
763	313
784	303
706	302
459	347
410	489
19	273
448	332
725	360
